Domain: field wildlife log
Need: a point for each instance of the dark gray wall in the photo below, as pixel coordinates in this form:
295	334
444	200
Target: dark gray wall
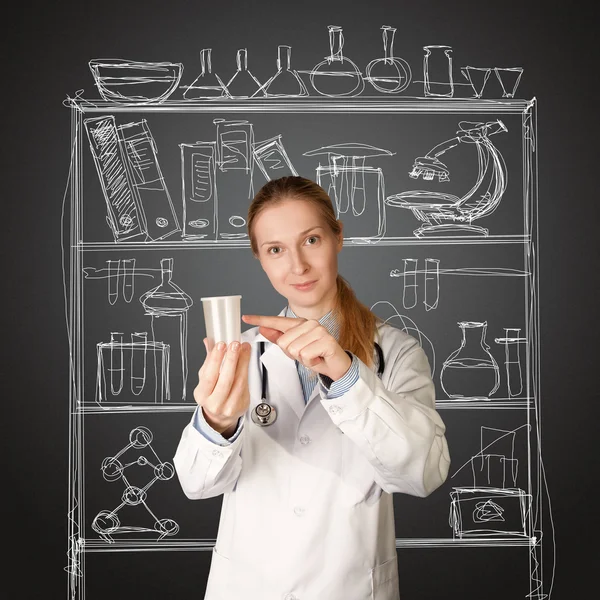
50	46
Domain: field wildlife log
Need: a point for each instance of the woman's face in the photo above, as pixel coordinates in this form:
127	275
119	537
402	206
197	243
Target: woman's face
295	247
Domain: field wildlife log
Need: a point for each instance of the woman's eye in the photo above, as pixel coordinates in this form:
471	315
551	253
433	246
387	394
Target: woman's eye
314	239
274	250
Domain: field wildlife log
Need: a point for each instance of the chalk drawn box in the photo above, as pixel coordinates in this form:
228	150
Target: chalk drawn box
489	512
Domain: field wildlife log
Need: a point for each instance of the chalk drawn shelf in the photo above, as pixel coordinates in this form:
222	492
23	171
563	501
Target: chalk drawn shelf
437	195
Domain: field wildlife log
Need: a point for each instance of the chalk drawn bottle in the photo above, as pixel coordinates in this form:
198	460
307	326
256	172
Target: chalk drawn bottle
337	75
470	372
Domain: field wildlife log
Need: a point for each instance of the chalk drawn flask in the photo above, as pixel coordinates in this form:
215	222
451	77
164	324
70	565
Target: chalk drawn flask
243	84
286	83
208	84
470	372
337	75
168	305
390	74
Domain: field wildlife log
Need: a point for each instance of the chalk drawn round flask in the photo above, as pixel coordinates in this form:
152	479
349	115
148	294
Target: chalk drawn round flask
337	75
470	372
167	299
390	74
437	71
168	305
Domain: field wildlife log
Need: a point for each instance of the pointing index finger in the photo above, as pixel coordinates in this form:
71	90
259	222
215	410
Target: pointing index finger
279	323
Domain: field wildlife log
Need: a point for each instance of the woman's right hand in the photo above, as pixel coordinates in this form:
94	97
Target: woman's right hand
222	391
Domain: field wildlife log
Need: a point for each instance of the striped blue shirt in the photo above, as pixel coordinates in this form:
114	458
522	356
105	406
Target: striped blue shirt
308	380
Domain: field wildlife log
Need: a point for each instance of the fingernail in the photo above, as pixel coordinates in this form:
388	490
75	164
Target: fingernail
235	346
221	346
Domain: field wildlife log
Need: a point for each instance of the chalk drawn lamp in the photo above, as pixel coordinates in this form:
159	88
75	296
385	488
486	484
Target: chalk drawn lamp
442	213
131	82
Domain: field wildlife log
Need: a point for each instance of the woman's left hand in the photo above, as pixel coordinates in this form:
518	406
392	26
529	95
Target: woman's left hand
306	341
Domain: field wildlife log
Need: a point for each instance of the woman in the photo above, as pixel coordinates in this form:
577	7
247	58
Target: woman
307	511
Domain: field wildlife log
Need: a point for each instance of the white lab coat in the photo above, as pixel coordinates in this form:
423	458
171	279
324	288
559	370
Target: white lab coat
307	511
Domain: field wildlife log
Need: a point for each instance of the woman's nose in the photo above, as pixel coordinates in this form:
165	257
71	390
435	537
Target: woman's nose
299	263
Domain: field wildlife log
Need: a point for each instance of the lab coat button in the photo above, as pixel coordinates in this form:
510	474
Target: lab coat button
335	409
298	511
304	440
290	597
217	453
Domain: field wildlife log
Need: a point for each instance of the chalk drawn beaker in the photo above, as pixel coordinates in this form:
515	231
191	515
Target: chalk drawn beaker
208	84
242	83
286	82
337	75
477	77
509	79
437	71
470	372
390	74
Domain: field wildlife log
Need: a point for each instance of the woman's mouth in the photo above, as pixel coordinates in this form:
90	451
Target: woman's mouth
305	286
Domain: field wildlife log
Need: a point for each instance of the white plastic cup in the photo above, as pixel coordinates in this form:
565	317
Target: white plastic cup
222	319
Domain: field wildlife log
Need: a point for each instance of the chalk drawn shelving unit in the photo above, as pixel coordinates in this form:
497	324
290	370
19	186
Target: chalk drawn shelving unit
509	245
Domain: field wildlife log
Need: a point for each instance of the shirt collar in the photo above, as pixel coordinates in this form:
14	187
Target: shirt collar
329	321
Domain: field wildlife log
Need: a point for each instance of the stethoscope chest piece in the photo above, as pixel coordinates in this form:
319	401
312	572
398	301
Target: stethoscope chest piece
264	414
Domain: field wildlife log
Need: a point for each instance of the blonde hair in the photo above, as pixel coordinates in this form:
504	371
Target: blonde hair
357	323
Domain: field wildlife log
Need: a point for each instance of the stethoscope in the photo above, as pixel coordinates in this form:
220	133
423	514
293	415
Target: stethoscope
265	414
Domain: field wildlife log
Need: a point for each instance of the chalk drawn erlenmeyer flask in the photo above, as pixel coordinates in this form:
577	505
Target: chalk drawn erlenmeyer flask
477	77
243	84
208	84
286	83
437	71
337	75
390	74
168	304
470	372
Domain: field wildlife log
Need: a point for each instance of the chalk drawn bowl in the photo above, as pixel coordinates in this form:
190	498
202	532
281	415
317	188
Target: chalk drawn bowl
131	82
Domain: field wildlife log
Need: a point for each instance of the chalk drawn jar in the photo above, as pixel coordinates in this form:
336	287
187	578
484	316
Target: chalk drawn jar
437	71
337	75
470	372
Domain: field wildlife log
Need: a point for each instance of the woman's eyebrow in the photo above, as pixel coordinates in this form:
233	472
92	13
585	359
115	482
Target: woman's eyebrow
299	235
